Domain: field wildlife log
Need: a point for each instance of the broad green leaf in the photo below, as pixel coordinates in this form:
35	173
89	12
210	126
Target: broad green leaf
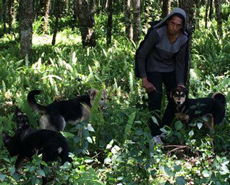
206	173
191	133
41	172
90	128
169	171
180	181
155	120
178	125
199	125
89	139
2	177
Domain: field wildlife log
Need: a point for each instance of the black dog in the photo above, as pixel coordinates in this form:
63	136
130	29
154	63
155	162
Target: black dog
57	114
49	143
186	110
22	122
27	142
46	142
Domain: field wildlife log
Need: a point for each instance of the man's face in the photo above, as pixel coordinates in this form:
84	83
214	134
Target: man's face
175	25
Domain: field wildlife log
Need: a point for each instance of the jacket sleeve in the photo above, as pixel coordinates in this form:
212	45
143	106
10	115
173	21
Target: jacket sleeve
146	48
180	64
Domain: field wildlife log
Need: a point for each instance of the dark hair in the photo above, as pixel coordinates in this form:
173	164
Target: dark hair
177	15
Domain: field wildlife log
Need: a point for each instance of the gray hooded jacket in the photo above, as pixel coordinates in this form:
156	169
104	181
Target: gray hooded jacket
157	54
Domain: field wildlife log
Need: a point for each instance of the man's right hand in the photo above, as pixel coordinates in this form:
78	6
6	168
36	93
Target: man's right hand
149	87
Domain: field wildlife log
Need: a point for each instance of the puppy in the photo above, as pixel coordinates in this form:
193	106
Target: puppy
49	143
57	114
46	142
186	109
22	122
28	141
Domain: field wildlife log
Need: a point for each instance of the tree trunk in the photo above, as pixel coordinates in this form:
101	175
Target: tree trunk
10	13
136	20
74	14
188	7
46	16
86	22
166	8
110	21
206	14
35	9
4	15
57	11
197	13
211	9
128	23
219	16
25	24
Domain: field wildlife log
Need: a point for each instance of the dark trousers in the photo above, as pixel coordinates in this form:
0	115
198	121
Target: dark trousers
155	98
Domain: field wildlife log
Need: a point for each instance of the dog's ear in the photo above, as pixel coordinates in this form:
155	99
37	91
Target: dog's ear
186	91
104	94
5	137
18	111
171	94
92	93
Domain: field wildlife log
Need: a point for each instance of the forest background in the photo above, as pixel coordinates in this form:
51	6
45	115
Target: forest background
66	47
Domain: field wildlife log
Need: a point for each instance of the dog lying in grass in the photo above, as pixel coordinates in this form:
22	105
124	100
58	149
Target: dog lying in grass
186	109
27	142
57	114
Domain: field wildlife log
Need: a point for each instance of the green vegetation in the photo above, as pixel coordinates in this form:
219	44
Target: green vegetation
113	146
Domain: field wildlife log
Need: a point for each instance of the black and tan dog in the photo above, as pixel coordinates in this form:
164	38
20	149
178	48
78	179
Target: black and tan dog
186	109
27	142
57	114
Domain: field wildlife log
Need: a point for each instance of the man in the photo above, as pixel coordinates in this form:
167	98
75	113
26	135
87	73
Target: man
161	60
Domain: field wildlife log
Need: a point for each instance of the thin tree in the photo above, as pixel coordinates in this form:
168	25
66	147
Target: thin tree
57	12
86	22
136	20
46	16
188	6
166	8
10	14
110	21
206	13
25	25
197	13
74	14
218	7
128	22
211	9
4	15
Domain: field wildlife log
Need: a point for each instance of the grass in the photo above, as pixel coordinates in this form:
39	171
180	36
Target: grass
114	146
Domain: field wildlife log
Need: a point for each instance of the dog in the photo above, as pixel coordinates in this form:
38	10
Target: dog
186	109
22	122
28	141
52	145
57	114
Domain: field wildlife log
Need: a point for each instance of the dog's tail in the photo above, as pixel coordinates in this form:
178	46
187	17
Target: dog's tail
220	97
32	102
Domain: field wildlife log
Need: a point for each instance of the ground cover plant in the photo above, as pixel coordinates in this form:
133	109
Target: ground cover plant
113	147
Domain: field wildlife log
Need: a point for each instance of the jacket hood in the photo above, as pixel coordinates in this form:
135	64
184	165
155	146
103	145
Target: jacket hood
175	11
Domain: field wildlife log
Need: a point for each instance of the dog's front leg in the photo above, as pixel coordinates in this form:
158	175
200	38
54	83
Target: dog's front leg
169	115
19	162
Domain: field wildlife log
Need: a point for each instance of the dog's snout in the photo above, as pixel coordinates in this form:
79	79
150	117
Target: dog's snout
178	102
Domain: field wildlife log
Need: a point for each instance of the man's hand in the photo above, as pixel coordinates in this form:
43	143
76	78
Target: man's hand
149	87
